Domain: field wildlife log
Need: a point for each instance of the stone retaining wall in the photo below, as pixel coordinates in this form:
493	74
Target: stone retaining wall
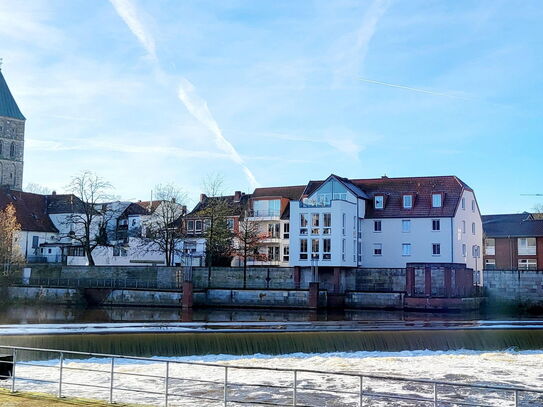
357	299
523	286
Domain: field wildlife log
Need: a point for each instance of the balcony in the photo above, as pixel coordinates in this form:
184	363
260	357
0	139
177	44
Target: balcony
264	214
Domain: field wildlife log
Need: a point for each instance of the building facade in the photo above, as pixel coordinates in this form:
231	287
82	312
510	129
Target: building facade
12	132
513	241
385	223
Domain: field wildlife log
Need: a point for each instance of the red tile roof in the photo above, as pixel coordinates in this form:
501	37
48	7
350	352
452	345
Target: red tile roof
290	192
30	210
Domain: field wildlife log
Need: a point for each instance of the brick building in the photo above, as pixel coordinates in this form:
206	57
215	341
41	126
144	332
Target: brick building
513	241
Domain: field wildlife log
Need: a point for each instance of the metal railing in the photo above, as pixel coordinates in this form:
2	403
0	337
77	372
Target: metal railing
234	384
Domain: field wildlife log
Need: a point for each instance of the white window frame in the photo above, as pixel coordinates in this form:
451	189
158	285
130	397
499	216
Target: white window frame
438	225
377	226
406	249
434	247
406	225
437	200
377	247
379	201
490	249
407	198
524	248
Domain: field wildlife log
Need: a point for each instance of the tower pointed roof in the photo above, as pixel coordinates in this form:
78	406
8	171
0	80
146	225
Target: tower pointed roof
8	106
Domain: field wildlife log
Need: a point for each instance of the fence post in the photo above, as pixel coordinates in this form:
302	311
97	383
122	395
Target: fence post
60	375
111	380
435	395
13	370
294	389
361	391
167	379
225	385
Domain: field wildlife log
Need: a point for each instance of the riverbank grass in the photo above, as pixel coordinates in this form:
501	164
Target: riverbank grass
27	399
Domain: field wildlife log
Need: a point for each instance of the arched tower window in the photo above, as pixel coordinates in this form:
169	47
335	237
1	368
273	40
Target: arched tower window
12	150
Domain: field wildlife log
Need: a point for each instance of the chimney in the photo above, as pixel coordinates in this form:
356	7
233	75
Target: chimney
174	200
184	210
202	197
54	193
237	196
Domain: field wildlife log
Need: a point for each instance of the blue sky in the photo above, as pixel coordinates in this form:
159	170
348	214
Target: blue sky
271	92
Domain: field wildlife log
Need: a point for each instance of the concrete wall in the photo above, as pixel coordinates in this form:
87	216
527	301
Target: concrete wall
144	298
226	277
355	299
380	280
521	286
37	295
257	298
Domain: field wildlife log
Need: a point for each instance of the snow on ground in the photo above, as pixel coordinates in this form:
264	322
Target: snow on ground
521	369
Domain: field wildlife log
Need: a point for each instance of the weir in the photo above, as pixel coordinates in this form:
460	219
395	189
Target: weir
248	343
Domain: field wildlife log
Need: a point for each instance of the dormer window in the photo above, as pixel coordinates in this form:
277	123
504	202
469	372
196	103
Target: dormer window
379	201
436	201
407	201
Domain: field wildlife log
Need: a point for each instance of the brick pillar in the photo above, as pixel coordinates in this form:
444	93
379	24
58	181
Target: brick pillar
410	281
187	294
297	277
337	275
313	295
186	315
448	282
428	281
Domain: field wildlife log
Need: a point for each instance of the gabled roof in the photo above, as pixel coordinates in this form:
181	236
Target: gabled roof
149	206
347	183
291	192
235	208
394	188
8	106
30	210
512	225
134	209
64	203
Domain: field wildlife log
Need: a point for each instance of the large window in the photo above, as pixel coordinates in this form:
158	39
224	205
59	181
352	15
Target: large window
436	200
326	249
406	249
286	230
274	230
273	253
314	248
315	220
490	247
286	253
326	223
266	207
303	223
303	249
526	246
329	191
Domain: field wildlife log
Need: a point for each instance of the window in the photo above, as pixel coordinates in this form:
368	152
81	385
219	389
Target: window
464	254
490	264
314	248
12	150
303	249
266	207
379	201
407	201
116	252
315	220
436	200
286	230
343	249
343	223
490	247
332	189
133	222
230	224
473	228
286	253
303	231
436	225
377	249
76	252
526	246
273	253
327	223
473	205
406	249
274	230
463	203
198	226
326	249
359	248
527	264
124	252
463	226
376	225
303	220
406	226
314	231
436	249
190	225
1	144
35	241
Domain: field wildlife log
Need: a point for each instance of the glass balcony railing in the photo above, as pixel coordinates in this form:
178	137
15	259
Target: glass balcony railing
264	213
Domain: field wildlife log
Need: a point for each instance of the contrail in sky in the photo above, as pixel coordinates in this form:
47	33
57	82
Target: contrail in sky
187	93
393	85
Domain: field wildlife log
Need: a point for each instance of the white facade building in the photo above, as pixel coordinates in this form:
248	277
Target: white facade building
385	223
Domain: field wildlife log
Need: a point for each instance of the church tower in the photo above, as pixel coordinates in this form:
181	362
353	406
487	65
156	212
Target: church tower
12	134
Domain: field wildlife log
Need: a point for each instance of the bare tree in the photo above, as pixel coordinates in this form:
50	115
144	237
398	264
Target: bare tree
37	189
164	230
10	252
215	217
248	238
538	211
89	218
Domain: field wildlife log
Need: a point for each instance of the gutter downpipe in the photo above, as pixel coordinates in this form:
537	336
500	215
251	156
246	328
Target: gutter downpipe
452	241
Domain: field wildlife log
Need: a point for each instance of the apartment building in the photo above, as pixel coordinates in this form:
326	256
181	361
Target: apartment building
270	209
385	223
513	241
